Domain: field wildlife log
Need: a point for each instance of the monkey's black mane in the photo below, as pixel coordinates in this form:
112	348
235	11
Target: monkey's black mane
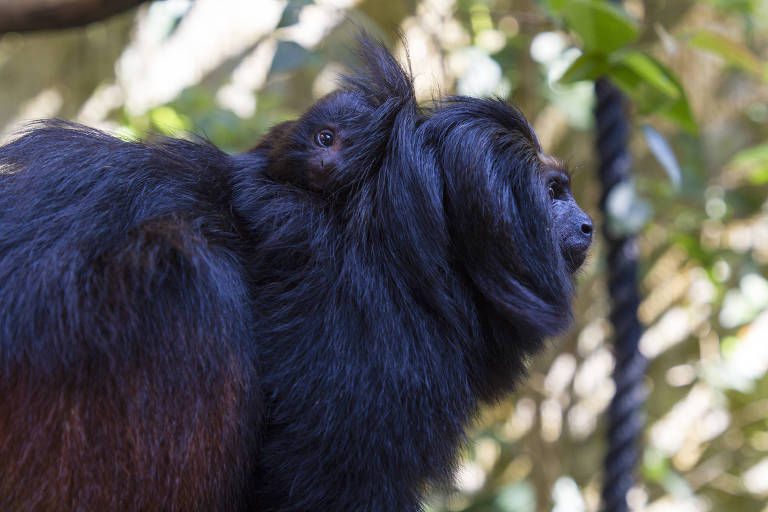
366	320
433	314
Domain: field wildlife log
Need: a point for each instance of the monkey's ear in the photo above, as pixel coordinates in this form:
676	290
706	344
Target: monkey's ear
381	77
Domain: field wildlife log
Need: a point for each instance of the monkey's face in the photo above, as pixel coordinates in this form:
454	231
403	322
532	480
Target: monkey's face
573	227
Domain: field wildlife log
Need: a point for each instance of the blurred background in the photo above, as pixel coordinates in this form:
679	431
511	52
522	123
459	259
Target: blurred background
696	77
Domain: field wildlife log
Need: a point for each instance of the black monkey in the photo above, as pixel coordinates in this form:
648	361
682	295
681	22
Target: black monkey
308	326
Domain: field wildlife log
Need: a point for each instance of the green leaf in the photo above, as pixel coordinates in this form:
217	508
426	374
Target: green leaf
754	154
556	6
649	70
753	162
733	52
680	112
759	176
740	6
168	121
645	97
586	67
652	87
655	465
603	28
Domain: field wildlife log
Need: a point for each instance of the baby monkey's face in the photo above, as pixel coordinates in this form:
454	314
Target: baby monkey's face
324	154
325	146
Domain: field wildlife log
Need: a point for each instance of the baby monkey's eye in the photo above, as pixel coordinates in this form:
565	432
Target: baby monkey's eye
324	138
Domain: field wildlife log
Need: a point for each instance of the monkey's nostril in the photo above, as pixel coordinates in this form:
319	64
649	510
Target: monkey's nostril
586	228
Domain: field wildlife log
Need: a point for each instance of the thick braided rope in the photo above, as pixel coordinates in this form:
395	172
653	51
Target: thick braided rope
625	414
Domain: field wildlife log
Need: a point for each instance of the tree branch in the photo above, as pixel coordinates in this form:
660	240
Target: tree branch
29	15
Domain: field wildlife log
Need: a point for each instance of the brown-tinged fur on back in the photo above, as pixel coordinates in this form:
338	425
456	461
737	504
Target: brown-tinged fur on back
166	428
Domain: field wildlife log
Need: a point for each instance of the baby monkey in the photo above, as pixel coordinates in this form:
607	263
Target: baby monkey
322	150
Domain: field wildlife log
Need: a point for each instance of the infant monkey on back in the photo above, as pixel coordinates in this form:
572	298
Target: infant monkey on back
307	326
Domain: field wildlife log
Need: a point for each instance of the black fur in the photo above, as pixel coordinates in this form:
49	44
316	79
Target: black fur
307	326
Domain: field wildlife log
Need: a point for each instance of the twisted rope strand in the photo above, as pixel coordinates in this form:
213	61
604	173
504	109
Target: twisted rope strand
625	415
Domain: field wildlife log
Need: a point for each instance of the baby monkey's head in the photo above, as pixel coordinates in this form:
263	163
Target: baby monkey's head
330	147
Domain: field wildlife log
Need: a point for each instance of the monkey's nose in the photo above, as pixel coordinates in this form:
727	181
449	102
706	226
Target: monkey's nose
586	227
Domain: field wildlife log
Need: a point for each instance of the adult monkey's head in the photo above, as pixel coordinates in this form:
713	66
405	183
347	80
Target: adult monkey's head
515	226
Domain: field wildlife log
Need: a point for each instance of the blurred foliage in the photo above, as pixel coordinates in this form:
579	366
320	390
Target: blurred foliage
697	78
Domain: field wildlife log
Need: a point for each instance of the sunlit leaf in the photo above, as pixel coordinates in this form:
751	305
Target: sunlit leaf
759	176
680	112
603	28
753	162
652	87
646	98
733	52
740	6
655	465
651	72
556	6
168	121
754	154
586	67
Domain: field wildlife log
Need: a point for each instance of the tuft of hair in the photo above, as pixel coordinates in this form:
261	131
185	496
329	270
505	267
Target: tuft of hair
380	78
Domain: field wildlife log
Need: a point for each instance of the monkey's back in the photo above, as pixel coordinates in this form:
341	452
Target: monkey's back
124	325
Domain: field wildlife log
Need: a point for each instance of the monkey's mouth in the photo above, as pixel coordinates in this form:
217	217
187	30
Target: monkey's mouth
574	261
575	254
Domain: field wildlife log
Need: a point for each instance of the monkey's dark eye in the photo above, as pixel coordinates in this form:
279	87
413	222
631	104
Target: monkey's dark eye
555	190
324	138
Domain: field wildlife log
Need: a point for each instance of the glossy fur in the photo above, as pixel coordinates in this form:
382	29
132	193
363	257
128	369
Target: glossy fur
301	327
